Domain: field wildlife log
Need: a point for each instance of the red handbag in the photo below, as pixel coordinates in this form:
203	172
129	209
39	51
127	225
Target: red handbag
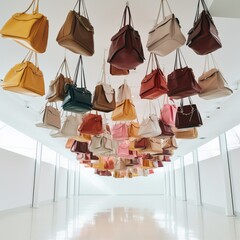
154	84
92	124
181	82
126	50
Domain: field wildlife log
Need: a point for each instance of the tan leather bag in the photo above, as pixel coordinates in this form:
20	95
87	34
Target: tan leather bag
166	36
133	129
76	34
212	82
29	30
170	143
51	118
57	87
187	134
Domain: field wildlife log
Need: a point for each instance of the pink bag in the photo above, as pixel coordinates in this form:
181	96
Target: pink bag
120	131
123	149
168	113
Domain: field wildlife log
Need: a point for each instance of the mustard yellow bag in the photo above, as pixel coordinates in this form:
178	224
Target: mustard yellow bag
124	111
28	29
25	78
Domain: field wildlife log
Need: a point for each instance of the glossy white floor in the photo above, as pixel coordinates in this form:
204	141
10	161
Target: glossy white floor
118	218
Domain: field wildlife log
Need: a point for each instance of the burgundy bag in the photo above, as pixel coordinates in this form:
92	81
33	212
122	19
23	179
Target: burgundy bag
203	37
80	147
92	124
141	143
181	82
154	84
188	116
126	50
166	130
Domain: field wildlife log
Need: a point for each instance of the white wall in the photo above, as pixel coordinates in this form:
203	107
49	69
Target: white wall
46	185
234	156
16	180
190	183
62	183
212	182
91	184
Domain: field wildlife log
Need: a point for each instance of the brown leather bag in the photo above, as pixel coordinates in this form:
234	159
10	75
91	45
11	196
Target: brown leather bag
166	130
80	147
203	37
104	95
76	34
118	72
126	50
154	84
181	82
57	90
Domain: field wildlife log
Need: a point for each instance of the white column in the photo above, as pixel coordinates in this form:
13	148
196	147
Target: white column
168	187
229	207
172	175
56	181
79	180
76	179
36	181
69	179
197	178
184	193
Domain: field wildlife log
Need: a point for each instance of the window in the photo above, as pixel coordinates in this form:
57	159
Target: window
233	138
209	150
48	155
15	141
177	164
188	159
63	162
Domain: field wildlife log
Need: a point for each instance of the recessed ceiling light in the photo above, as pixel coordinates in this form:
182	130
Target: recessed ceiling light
202	138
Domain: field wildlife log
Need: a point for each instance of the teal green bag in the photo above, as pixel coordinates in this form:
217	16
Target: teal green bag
78	100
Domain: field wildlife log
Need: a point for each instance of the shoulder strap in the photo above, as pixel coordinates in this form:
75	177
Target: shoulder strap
35	5
124	19
83	81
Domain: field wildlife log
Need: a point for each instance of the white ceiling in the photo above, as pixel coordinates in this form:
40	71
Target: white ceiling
105	16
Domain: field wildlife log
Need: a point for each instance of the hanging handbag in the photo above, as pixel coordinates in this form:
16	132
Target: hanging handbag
126	50
188	116
80	147
120	131
104	95
154	146
212	82
203	37
191	133
154	84
69	143
133	129
166	36
165	129
123	150
51	118
149	127
124	111
101	144
170	143
78	100
70	126
28	29
118	72
76	34
181	82
25	78
57	90
92	124
168	112
141	143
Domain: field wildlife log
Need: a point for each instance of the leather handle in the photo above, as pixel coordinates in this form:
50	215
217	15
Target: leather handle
35	5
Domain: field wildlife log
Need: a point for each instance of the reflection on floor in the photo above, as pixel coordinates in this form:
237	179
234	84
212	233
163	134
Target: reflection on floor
118	218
